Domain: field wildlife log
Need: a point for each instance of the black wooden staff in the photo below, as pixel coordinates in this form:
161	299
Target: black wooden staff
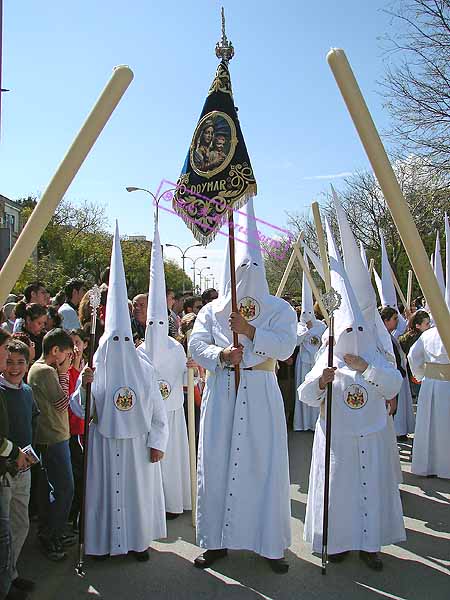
94	301
332	301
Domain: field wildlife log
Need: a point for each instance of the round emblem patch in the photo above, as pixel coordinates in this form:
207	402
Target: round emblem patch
125	398
314	340
355	396
164	388
249	308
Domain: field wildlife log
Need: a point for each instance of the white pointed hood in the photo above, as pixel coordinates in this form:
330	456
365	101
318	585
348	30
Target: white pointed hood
251	284
307	313
119	387
447	260
157	330
352	334
387	293
359	278
437	260
165	354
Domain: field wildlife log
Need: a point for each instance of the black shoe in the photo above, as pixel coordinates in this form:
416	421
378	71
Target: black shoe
402	438
278	565
372	560
143	556
52	549
26	585
338	557
209	557
172	516
67	540
16	594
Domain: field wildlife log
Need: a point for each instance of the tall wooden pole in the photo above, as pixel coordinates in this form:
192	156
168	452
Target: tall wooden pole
94	300
322	246
288	268
63	177
391	191
312	284
409	289
191	437
233	289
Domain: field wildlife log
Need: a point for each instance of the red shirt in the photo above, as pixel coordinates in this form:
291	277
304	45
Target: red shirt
76	424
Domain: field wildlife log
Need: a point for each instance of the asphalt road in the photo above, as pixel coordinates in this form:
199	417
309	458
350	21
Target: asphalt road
418	569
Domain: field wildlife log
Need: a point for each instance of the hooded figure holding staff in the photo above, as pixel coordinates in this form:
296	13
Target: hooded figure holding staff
127	436
243	472
365	509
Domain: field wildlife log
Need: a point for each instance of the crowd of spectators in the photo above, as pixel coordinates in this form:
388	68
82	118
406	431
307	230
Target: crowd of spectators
43	350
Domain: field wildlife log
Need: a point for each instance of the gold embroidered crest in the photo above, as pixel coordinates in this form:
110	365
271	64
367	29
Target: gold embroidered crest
315	341
164	388
249	308
125	398
355	397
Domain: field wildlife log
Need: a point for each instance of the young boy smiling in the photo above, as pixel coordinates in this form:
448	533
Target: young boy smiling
22	410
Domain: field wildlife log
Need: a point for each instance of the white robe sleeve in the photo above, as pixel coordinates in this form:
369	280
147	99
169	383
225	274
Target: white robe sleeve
159	432
401	326
278	341
386	378
201	343
78	400
417	360
309	391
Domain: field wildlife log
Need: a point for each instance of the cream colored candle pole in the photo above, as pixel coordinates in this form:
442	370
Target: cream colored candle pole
313	286
63	177
391	190
288	268
191	436
409	289
322	246
399	290
371	266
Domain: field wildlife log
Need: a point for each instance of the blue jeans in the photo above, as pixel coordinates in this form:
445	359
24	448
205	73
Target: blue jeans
5	540
56	489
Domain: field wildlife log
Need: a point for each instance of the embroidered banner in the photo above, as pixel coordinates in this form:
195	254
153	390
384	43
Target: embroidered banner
217	174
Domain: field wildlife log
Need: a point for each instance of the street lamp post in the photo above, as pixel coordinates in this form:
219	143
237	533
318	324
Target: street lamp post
200	273
183	256
194	260
133	188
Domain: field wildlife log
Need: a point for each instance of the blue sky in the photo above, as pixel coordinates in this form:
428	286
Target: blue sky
57	57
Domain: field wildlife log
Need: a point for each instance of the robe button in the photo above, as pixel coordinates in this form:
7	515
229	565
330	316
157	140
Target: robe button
364	483
117	491
117	454
363	467
235	464
231	494
365	514
362	451
245	387
365	530
365	497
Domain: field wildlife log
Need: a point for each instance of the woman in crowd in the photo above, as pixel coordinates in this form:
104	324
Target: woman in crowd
9	315
34	323
404	421
417	324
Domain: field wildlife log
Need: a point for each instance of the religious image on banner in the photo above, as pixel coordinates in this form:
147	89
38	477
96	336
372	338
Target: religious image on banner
217	174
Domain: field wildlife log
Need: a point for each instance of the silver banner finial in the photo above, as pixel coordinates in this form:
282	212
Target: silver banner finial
224	48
